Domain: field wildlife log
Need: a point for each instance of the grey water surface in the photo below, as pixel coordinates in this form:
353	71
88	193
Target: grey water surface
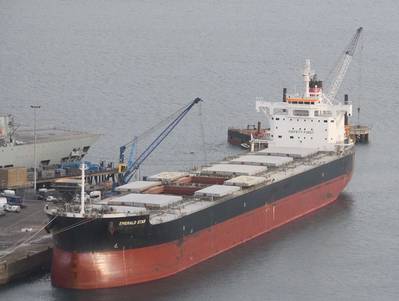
118	67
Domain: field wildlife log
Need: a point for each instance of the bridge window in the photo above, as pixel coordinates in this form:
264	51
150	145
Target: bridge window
323	113
280	111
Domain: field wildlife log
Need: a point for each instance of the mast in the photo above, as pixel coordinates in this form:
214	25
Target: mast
306	77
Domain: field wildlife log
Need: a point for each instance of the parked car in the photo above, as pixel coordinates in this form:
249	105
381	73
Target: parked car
42	193
51	198
95	195
12	208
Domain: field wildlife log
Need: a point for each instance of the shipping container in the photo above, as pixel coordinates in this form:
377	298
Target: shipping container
13	177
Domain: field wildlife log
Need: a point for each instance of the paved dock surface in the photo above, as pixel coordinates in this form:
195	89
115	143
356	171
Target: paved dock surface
23	250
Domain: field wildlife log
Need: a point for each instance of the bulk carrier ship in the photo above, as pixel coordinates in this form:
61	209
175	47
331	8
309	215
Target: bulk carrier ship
171	221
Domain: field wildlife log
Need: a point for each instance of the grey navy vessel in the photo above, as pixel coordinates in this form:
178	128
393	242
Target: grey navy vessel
53	146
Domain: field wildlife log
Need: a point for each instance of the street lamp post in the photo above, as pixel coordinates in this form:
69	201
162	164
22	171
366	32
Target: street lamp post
34	107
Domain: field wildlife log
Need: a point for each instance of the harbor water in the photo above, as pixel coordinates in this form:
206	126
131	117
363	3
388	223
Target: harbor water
119	67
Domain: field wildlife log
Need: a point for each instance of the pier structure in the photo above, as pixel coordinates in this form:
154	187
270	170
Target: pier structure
359	133
93	178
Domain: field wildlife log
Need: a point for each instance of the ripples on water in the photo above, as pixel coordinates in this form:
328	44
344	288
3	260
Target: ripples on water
117	67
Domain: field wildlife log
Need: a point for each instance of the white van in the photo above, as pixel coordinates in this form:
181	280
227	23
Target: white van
9	192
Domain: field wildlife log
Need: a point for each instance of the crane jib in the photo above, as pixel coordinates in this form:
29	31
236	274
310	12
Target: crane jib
131	170
343	65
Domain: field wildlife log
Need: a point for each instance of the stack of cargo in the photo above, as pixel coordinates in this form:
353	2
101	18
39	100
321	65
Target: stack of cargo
13	177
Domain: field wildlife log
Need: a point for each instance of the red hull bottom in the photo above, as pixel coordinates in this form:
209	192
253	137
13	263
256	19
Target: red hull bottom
119	268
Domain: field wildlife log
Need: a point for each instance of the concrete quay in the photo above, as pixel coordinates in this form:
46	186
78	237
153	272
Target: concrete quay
24	250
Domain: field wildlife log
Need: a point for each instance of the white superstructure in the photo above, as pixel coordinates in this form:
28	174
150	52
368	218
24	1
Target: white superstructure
311	121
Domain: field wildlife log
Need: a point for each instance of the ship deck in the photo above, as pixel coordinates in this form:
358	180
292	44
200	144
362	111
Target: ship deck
192	204
44	135
172	195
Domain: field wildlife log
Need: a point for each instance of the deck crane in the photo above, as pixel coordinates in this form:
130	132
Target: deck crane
342	67
133	166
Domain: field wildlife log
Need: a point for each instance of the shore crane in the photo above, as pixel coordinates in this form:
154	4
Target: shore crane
133	165
342	67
